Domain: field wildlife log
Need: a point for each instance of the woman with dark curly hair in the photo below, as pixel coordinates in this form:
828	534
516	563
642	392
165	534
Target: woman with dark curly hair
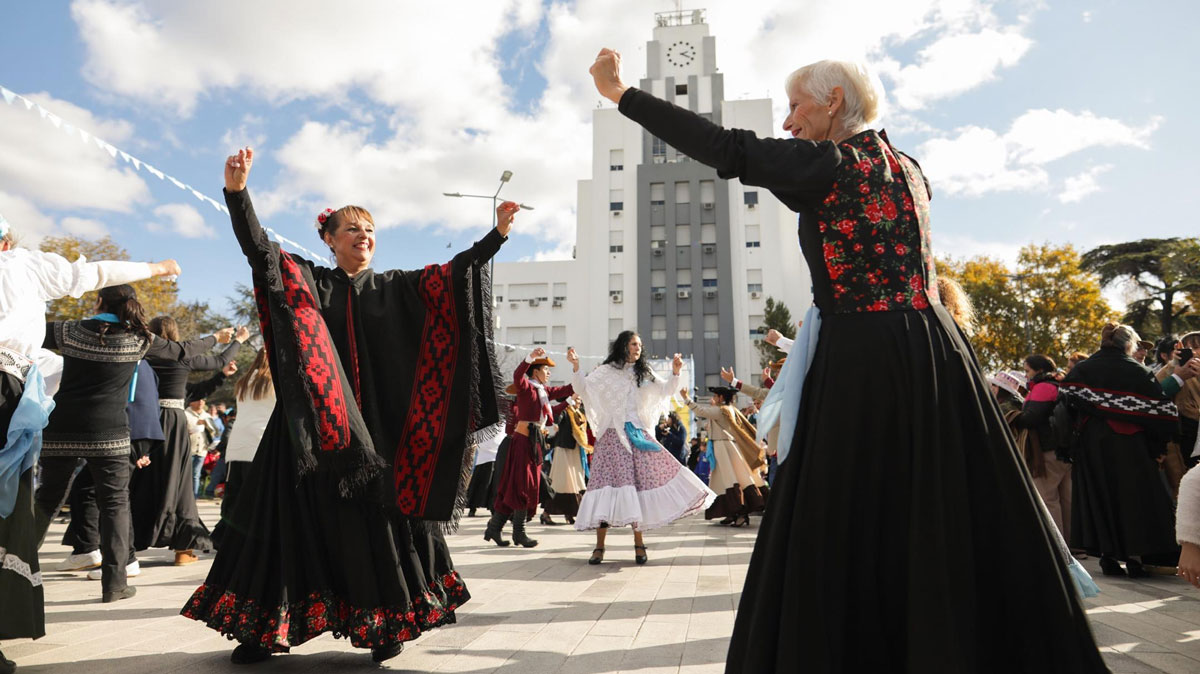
635	480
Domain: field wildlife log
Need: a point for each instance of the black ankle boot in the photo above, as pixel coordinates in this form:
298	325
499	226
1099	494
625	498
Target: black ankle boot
494	526
1135	569
383	653
248	654
7	666
1110	566
519	537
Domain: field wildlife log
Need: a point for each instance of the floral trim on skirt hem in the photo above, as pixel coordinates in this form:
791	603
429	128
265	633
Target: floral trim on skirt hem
278	628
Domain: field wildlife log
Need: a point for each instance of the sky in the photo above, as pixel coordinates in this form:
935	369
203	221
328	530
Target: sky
1036	121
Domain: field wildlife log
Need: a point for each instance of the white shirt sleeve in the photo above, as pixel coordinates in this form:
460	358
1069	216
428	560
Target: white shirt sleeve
785	344
54	277
1187	515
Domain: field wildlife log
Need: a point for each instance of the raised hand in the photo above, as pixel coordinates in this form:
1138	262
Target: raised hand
773	336
606	73
727	375
165	268
573	358
683	393
676	364
224	335
504	216
237	169
242	334
229	369
537	353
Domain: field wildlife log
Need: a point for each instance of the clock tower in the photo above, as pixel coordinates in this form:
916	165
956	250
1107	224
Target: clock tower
681	47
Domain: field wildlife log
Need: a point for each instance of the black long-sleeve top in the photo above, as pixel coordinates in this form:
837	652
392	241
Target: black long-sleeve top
173	374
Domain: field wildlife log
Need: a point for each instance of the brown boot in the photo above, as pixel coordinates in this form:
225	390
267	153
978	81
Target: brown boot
185	557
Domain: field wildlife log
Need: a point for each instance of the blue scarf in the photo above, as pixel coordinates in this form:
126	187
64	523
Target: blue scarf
638	438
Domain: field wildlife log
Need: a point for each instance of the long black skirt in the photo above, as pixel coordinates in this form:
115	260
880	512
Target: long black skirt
903	534
1120	505
161	495
22	600
296	561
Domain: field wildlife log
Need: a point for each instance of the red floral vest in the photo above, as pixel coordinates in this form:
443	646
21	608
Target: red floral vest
874	226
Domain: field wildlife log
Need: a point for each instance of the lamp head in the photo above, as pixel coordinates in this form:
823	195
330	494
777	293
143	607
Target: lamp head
504	177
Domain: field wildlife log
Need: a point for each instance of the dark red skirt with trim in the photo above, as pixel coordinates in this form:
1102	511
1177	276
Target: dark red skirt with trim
297	561
520	481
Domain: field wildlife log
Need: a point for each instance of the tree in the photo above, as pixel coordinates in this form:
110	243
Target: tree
156	295
776	316
243	307
1047	305
1165	274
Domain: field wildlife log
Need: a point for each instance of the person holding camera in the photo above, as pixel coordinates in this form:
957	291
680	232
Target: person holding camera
1187	400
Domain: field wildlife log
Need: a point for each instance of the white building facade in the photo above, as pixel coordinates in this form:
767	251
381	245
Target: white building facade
663	246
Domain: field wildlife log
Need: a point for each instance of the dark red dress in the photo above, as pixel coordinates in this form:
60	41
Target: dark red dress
522	473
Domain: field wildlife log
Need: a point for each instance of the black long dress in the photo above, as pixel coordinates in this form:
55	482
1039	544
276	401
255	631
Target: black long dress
309	550
1120	505
913	542
161	494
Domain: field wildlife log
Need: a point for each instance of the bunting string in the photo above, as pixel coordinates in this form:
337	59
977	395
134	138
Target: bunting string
12	99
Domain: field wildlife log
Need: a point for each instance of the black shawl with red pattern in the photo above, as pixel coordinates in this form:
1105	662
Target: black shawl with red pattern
379	371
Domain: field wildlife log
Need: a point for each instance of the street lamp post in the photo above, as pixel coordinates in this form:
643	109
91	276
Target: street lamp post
1020	279
504	178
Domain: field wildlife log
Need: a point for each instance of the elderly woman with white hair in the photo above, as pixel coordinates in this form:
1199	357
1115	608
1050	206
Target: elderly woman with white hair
920	527
1121	508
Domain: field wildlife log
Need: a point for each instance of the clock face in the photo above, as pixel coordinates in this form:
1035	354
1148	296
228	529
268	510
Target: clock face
681	54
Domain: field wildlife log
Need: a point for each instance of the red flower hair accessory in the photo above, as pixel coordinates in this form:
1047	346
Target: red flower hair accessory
325	215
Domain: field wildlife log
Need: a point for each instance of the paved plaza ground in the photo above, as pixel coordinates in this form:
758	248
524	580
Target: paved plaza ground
533	611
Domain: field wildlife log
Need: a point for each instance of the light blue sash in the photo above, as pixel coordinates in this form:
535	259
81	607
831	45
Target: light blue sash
638	438
782	405
24	440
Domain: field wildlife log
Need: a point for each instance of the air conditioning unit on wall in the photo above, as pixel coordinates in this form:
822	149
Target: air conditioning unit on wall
658	252
708	205
710	293
754	294
658	294
556	303
683	294
709	248
534	302
615	295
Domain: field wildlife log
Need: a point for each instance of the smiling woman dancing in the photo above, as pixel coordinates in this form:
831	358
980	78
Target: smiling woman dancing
382	380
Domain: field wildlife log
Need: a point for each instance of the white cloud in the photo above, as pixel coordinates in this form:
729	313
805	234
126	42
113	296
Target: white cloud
57	170
425	110
955	64
1041	136
978	160
183	220
1076	187
26	219
84	227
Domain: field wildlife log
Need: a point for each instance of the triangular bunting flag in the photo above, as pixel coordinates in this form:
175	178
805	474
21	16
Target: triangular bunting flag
177	183
112	151
41	111
55	120
155	172
9	96
199	196
68	128
85	136
99	142
28	103
125	156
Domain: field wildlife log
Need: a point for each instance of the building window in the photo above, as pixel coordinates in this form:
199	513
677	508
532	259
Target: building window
658	327
558	334
710	282
708	233
754	287
709	278
708	192
681	90
750	198
683	235
685	326
683	192
616	160
615	326
752	236
754	280
616	200
658	150
658	194
712	327
616	249
616	241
